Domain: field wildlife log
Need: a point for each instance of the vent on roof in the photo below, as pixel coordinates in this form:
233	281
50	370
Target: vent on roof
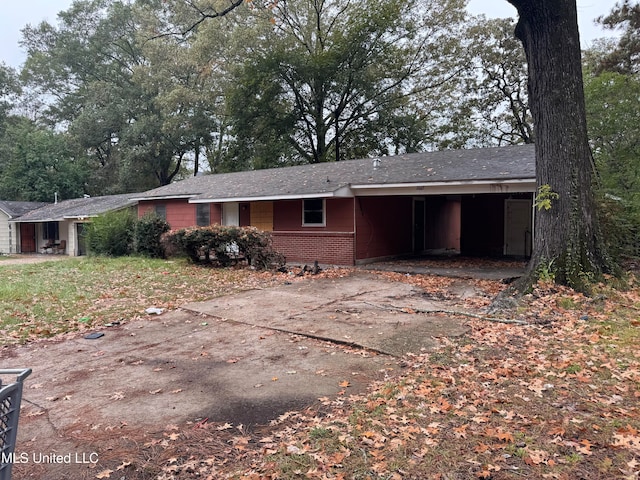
376	163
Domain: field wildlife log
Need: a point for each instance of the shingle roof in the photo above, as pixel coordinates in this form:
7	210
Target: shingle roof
79	207
16	209
487	164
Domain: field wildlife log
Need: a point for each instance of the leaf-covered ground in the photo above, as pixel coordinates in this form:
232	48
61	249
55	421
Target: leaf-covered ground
557	398
45	299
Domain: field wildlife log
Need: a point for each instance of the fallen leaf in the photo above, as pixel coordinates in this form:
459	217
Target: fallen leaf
104	474
123	465
117	396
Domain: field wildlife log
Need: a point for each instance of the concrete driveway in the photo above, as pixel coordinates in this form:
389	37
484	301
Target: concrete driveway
240	359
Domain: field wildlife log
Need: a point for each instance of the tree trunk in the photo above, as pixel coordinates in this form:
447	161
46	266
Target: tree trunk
568	243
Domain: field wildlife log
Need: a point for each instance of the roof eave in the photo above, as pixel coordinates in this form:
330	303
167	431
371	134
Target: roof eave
513	185
165	197
341	193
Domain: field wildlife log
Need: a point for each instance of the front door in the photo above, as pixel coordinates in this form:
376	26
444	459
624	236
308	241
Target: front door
517	228
27	237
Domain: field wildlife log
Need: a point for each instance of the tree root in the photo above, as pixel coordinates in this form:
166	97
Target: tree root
452	312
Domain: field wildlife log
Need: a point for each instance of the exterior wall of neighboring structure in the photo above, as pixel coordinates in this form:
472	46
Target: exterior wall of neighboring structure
7	236
65	233
384	227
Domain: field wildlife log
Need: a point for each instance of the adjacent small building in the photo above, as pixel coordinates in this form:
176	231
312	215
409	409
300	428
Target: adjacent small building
58	227
10	239
476	202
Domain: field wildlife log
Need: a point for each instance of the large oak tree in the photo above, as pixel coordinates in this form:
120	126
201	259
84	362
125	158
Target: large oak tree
568	241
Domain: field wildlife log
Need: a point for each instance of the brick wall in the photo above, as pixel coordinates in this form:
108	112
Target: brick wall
333	248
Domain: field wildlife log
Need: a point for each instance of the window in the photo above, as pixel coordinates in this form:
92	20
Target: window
50	231
313	212
203	214
161	211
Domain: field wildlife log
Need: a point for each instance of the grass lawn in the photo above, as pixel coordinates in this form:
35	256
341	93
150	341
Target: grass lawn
45	299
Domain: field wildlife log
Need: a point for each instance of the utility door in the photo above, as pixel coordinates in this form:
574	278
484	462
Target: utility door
27	238
517	227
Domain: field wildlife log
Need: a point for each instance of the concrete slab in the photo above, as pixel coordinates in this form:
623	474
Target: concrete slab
243	359
367	312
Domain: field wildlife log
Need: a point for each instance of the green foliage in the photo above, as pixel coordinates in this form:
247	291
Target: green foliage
223	245
545	197
335	80
621	221
36	163
546	272
147	233
624	58
137	106
613	116
111	234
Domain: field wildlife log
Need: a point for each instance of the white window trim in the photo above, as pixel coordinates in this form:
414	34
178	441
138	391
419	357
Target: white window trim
324	213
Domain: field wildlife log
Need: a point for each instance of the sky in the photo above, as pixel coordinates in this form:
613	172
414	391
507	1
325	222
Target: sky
14	15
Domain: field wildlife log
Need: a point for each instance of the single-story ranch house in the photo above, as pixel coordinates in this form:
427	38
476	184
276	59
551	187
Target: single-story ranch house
476	202
9	236
57	227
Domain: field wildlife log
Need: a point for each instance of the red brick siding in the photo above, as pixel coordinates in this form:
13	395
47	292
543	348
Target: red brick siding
287	216
332	248
180	213
331	244
384	226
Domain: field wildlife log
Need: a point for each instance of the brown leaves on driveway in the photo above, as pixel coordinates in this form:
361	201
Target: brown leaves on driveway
554	399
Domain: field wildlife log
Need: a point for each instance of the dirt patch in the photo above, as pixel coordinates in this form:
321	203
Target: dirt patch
243	359
24	259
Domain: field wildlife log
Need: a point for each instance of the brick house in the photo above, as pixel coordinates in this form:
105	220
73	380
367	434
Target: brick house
476	202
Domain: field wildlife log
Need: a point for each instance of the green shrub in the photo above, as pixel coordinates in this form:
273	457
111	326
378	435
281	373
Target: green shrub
621	224
147	233
223	245
111	234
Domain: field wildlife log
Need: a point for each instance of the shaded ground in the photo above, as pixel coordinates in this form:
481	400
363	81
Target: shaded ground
243	360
